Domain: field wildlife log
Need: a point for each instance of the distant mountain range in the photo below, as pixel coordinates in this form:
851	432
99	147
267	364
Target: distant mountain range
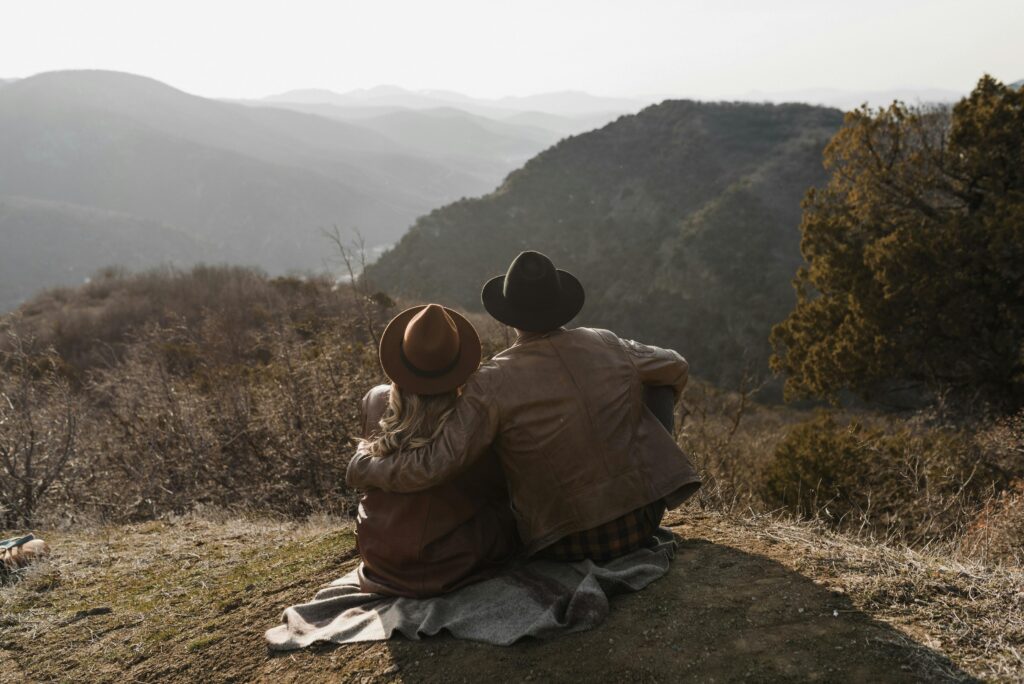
540	116
682	221
202	179
851	99
566	103
257	184
101	167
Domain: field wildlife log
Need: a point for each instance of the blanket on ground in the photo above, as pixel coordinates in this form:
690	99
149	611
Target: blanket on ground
536	598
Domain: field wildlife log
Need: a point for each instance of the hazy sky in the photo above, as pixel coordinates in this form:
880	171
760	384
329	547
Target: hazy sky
236	48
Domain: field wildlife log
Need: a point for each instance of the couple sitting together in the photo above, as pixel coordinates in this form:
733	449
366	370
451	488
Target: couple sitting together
559	447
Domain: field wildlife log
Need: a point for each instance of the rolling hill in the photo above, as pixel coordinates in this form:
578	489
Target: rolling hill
46	244
251	184
490	148
681	221
451	125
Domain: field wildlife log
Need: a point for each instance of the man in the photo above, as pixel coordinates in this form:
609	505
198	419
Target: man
589	467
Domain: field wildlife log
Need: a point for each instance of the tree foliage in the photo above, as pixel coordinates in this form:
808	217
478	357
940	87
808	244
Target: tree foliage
915	255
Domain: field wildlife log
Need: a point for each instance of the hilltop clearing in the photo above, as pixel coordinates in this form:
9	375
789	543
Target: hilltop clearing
746	599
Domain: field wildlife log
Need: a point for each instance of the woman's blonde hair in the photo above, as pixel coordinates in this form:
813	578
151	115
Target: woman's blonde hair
410	421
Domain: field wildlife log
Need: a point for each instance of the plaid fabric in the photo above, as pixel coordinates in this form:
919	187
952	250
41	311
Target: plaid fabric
610	540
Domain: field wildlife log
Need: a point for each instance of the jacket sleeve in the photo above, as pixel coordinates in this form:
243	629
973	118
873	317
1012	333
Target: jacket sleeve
658	367
466	436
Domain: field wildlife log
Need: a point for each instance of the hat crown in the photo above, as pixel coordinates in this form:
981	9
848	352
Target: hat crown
532	280
431	342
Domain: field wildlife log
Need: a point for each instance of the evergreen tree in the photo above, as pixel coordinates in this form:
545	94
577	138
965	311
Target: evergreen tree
915	255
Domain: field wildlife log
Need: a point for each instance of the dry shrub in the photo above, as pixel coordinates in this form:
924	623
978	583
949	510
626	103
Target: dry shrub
217	386
173	432
998	531
997	534
39	425
92	326
917	484
907	478
728	436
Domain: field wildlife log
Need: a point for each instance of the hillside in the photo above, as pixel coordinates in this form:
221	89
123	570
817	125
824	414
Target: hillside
746	599
252	184
681	221
177	403
69	243
447	133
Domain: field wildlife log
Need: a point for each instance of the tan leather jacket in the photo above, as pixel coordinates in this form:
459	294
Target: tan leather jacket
564	411
437	540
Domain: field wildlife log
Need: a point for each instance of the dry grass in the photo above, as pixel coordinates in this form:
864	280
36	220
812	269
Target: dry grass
908	478
163	598
188	600
972	612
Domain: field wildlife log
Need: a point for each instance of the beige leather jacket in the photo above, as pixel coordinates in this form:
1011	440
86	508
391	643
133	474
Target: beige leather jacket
564	411
437	540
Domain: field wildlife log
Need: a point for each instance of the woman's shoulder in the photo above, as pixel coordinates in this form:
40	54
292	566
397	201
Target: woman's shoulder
374	404
378	393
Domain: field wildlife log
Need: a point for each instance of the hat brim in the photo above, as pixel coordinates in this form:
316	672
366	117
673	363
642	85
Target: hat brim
407	378
534	320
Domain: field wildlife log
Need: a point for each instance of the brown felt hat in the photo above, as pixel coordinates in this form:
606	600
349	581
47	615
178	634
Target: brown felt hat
429	349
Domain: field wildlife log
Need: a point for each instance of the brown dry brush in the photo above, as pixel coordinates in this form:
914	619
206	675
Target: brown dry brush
40	420
250	405
142	395
274	435
905	480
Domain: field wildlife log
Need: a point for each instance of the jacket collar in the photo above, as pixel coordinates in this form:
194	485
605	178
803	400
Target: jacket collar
527	337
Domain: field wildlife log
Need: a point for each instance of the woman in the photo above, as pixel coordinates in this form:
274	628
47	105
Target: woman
434	541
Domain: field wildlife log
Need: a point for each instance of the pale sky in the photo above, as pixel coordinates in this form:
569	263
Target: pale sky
251	48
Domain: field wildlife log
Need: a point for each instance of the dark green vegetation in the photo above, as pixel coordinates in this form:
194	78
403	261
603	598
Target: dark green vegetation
681	221
915	251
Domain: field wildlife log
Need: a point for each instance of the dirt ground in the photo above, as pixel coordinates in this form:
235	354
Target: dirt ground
750	601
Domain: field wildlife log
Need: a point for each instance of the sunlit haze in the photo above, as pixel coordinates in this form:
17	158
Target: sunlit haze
645	48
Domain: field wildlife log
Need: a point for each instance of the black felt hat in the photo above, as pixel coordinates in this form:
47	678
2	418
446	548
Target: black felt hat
533	295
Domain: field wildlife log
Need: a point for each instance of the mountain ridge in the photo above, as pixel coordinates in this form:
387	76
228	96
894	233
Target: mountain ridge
565	102
681	221
252	185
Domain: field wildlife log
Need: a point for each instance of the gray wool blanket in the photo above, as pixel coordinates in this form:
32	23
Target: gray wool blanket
538	599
